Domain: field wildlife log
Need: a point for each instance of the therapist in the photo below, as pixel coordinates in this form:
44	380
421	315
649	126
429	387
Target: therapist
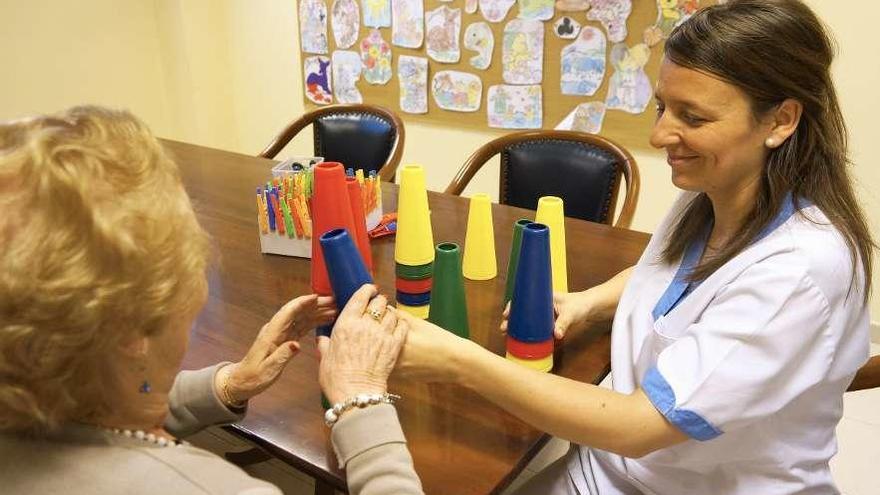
741	326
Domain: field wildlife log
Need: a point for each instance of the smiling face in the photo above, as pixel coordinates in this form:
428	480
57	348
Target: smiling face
713	142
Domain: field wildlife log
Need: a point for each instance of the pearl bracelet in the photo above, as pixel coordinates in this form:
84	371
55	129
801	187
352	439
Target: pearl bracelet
331	416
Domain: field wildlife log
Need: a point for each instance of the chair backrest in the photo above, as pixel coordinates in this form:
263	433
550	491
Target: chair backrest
868	376
583	169
359	136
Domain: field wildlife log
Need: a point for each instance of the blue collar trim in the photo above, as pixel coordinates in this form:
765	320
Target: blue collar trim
679	288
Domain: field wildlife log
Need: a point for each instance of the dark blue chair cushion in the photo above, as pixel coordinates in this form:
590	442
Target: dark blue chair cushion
357	139
583	175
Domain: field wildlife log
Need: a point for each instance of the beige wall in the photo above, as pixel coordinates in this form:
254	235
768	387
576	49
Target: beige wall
227	73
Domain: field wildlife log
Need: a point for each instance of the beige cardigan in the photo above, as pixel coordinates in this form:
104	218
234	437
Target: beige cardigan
82	459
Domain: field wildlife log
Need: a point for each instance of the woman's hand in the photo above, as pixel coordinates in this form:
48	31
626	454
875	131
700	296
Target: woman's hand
363	349
273	348
431	353
572	311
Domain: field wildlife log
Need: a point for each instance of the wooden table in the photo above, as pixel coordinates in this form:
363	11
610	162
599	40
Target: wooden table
460	442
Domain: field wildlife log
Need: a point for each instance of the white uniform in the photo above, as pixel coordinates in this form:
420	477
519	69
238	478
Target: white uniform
752	364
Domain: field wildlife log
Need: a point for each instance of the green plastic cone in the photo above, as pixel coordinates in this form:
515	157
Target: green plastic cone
448	306
514	257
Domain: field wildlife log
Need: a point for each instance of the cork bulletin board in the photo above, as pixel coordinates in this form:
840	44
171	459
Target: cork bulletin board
326	23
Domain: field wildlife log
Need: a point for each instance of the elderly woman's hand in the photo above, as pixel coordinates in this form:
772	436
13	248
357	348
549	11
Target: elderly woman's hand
363	349
273	348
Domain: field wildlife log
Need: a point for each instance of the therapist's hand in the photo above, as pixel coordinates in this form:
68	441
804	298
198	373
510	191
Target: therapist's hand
432	354
572	311
274	347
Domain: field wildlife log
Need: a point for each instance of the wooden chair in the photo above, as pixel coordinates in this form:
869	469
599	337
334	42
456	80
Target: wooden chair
583	169
359	136
868	376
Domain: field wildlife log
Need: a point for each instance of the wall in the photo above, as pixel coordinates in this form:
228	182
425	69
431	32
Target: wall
227	74
59	54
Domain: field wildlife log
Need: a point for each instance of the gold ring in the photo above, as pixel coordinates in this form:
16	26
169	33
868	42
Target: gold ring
376	314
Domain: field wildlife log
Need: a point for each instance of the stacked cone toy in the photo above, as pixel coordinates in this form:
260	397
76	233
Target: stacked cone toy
414	245
448	306
331	209
346	272
512	262
479	246
360	222
550	213
530	326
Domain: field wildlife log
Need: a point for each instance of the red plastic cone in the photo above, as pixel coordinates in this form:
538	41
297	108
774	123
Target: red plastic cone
331	209
360	221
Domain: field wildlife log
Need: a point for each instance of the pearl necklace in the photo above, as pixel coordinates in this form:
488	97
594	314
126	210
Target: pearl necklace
147	437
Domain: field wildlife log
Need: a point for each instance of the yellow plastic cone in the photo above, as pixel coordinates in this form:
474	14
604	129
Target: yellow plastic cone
420	312
544	364
414	245
479	245
551	214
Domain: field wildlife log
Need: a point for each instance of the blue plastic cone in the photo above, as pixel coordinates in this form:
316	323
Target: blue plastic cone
345	268
531	309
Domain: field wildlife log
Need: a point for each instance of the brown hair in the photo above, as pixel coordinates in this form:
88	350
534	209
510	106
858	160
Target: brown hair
100	244
774	50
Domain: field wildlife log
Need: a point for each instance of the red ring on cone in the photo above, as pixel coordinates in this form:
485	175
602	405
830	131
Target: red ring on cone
529	350
414	286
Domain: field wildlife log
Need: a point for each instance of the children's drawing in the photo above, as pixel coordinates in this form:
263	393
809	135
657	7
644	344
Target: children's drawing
345	18
376	57
479	38
412	72
317	73
586	117
540	10
670	13
566	28
443	26
313	26
408	23
612	14
514	107
470	6
652	35
346	73
457	91
583	63
629	88
377	13
572	5
495	10
522	52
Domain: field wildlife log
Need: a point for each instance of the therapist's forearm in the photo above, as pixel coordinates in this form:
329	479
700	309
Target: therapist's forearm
605	297
628	425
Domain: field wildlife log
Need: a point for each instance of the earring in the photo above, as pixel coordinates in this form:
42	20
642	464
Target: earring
145	387
770	142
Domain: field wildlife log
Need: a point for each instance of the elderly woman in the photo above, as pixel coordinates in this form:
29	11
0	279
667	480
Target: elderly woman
744	321
101	277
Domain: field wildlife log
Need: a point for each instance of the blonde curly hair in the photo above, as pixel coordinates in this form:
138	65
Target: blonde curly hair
100	244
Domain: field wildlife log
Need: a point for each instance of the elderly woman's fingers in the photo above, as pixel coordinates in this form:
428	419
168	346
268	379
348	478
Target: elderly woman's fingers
277	330
376	308
323	346
358	302
389	320
275	363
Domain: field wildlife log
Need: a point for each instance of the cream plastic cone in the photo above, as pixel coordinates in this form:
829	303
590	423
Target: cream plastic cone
551	214
479	245
420	312
415	241
543	365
